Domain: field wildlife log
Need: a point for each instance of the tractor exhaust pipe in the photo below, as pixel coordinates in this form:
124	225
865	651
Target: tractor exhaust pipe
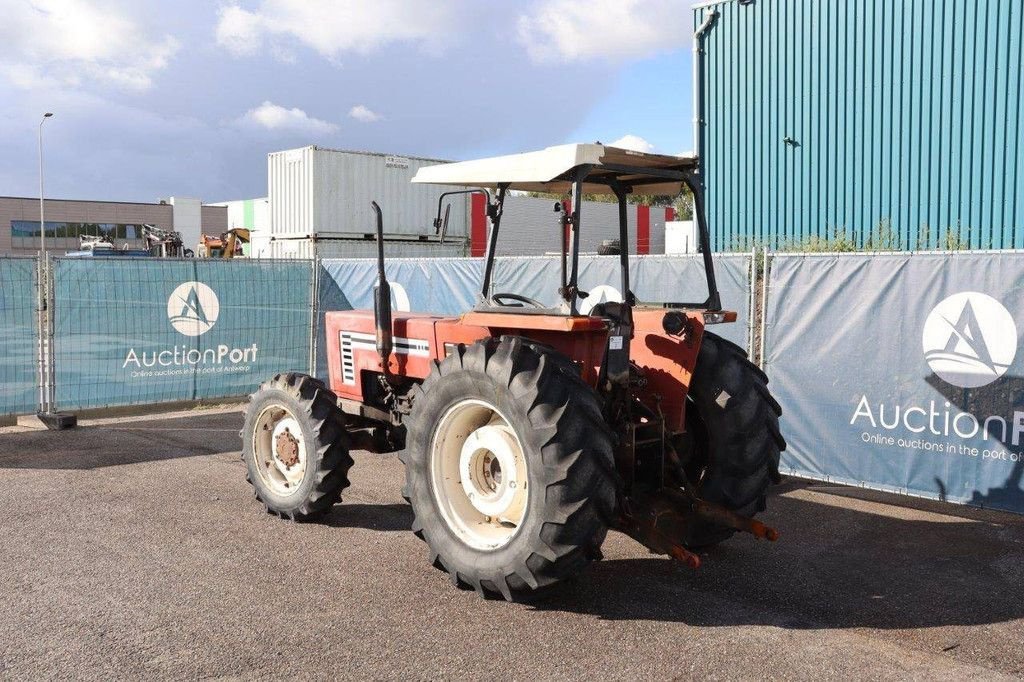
382	301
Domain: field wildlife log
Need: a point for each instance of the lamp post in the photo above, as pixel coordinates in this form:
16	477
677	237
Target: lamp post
43	393
42	212
55	421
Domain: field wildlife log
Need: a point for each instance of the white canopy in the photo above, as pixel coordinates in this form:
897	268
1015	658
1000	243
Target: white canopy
548	170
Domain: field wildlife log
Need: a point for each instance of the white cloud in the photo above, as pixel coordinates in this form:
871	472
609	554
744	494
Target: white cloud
569	30
65	42
275	117
333	27
363	114
239	30
634	142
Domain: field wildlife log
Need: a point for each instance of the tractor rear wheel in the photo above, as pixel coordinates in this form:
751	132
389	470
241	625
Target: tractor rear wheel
509	467
295	447
733	422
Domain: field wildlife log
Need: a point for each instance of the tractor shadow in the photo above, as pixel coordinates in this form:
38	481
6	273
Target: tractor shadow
1001	397
838	564
380	517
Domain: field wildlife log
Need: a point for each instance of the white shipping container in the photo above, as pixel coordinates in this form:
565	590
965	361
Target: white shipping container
259	244
265	246
313	191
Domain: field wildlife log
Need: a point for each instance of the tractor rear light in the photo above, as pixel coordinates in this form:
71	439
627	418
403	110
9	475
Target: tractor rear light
714	318
719	317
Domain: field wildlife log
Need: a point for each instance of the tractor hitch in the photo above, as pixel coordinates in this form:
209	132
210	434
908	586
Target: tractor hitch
662	521
726	517
656	524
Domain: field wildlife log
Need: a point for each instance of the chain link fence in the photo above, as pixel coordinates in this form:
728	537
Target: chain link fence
130	331
138	331
19	342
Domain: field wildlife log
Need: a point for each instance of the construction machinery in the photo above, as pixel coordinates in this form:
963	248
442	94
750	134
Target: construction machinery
164	243
528	431
233	240
93	243
227	245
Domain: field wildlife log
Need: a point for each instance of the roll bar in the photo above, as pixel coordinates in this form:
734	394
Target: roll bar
617	178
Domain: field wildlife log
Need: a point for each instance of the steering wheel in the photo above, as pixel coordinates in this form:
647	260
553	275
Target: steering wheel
497	299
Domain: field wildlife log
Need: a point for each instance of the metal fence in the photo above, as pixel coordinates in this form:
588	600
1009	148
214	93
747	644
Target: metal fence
129	331
896	371
19	342
138	331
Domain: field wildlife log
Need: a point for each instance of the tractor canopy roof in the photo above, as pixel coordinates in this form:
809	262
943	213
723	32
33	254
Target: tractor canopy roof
553	170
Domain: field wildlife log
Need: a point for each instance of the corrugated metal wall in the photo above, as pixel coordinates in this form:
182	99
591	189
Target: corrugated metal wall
529	226
894	122
265	246
290	190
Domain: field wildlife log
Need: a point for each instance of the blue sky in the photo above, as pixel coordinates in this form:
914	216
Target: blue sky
153	99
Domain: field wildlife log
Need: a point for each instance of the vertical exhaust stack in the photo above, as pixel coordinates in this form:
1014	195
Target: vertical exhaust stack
382	300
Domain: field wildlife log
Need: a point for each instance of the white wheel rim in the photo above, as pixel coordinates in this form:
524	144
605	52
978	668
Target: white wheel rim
279	450
478	475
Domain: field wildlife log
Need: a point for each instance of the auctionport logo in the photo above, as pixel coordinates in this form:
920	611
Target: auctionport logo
969	339
193	308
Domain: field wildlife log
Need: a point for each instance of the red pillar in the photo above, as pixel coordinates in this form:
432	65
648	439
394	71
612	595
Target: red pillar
643	229
478	226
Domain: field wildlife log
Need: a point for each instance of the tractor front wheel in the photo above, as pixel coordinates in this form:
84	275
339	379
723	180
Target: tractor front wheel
509	467
295	447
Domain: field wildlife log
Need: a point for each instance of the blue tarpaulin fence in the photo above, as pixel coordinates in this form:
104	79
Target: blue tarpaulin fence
19	342
138	331
899	372
902	372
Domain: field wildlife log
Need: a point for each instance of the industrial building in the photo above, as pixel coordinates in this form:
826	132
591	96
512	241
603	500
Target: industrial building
118	221
248	214
878	124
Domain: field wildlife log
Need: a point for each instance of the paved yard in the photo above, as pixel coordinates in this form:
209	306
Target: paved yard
135	548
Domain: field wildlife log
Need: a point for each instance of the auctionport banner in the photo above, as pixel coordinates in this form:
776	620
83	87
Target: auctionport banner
19	350
137	331
449	286
902	372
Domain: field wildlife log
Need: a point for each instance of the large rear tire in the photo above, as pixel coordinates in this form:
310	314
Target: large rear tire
733	421
509	468
295	447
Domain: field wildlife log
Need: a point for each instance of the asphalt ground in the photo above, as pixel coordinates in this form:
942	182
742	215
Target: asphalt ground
135	549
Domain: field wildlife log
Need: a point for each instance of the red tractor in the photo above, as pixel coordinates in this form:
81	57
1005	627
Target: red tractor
528	431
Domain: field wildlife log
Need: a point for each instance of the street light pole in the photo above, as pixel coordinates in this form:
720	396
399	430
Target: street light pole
42	212
55	421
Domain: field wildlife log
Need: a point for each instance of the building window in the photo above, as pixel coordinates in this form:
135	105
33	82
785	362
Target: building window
25	233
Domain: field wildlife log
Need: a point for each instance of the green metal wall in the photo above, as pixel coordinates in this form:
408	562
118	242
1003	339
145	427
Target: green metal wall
893	122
